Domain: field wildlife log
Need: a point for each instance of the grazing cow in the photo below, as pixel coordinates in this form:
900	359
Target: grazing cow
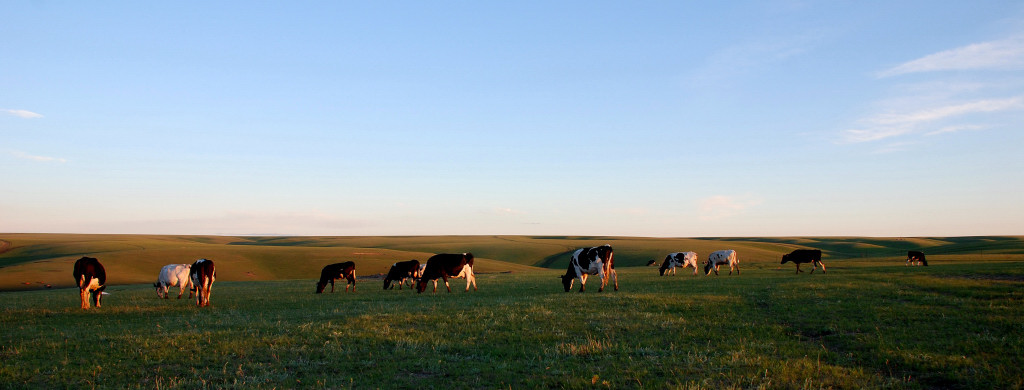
651	263
801	256
678	259
203	273
401	272
916	258
597	260
447	265
91	278
173	275
334	271
717	258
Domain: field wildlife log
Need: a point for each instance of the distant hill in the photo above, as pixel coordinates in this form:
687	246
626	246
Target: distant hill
32	261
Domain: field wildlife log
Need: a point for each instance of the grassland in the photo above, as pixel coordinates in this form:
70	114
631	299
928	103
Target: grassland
870	322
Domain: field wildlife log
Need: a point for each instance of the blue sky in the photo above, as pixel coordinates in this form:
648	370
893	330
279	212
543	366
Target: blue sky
674	119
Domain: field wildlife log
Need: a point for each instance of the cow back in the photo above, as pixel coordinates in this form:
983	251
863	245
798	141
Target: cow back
90	268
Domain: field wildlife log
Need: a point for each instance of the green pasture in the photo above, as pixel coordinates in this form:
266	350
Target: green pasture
870	322
953	325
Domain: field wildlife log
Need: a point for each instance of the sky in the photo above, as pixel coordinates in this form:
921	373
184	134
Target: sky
630	118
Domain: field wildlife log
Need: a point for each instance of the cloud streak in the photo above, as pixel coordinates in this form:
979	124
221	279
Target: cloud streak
31	157
719	207
21	113
900	123
1005	54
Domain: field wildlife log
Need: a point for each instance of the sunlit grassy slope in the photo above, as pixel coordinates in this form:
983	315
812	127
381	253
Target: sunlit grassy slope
32	261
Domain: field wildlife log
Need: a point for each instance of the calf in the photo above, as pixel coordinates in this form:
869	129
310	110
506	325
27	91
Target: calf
801	256
447	265
203	273
678	259
173	275
401	272
717	258
91	278
591	261
916	258
334	271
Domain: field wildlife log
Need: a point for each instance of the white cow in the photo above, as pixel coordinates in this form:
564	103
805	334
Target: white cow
718	258
678	259
172	275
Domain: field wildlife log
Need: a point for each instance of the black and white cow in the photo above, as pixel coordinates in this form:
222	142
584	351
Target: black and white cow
596	260
91	278
203	273
334	271
172	275
401	272
447	265
916	258
678	259
801	256
717	258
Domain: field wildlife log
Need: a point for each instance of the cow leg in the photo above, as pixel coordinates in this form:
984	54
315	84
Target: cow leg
615	278
470	278
446	282
822	267
604	280
798	271
583	282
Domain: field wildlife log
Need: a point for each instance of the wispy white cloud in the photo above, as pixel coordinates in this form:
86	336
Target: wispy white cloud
892	124
954	129
724	206
21	113
26	156
741	59
1005	54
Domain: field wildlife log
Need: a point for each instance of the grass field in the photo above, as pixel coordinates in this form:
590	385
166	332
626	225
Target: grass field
869	322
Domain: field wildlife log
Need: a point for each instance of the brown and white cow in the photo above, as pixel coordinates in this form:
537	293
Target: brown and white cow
172	275
916	258
678	259
801	256
596	260
717	258
401	272
447	265
203	273
334	271
91	278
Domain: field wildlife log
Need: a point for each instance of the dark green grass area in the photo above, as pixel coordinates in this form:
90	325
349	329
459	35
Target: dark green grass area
944	326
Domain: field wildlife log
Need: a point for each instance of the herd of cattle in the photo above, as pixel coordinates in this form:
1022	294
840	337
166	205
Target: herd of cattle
198	278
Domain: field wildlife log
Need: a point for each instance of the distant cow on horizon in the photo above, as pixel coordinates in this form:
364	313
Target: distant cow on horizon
91	278
334	271
916	258
801	256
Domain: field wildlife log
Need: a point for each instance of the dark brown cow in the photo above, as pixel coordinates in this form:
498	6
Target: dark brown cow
334	271
801	256
447	265
916	258
202	273
401	272
91	278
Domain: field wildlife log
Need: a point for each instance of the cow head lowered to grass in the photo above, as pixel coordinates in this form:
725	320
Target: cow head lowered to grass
447	265
596	260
